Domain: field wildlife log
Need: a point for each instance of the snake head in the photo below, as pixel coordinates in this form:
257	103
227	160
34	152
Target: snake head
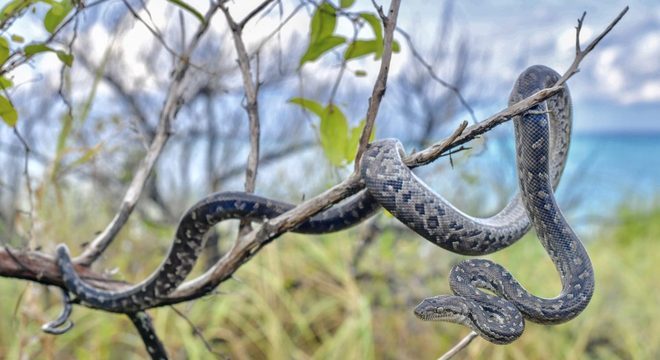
443	308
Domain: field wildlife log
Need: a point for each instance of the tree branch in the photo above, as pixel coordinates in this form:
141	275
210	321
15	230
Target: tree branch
458	347
173	103
389	22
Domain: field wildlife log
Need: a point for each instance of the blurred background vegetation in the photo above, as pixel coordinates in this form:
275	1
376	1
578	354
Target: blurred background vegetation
340	296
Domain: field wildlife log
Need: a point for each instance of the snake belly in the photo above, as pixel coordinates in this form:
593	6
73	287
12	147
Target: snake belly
189	241
499	318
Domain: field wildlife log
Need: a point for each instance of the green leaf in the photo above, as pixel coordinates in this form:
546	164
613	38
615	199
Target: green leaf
17	38
354	140
34	49
56	15
13	8
321	38
346	3
360	73
359	48
323	23
320	47
309	105
5	83
86	156
4	50
8	112
188	8
374	22
65	57
334	134
395	46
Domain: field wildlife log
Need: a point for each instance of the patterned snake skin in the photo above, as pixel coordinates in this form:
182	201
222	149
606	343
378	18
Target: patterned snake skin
499	319
189	241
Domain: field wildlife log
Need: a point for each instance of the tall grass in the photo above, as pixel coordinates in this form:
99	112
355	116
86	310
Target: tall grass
300	298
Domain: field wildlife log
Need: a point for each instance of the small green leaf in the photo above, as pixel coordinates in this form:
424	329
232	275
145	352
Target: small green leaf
395	46
323	23
354	140
4	50
56	15
5	83
13	8
359	48
321	37
188	8
346	3
17	39
8	112
375	24
31	50
309	105
65	57
320	47
86	156
360	73
334	134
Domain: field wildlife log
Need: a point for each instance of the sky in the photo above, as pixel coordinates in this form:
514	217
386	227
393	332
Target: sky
617	90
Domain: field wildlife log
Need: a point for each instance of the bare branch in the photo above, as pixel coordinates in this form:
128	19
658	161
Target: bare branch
251	92
579	53
458	347
254	12
197	332
434	76
173	103
380	86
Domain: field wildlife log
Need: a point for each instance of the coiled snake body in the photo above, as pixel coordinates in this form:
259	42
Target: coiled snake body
499	319
541	158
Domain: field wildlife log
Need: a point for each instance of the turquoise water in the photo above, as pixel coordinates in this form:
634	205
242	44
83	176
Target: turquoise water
616	167
603	172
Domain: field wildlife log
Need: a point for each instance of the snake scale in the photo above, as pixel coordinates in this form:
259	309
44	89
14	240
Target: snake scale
542	147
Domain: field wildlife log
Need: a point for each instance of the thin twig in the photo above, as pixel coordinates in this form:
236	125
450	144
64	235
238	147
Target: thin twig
251	106
579	53
434	76
173	103
252	13
197	332
389	22
458	347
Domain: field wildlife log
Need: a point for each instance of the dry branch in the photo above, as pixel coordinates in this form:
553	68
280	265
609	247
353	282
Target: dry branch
389	22
173	103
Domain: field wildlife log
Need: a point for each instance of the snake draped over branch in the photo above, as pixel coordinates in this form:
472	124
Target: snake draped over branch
542	138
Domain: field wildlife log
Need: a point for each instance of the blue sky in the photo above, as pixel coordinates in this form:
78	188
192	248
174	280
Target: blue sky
618	88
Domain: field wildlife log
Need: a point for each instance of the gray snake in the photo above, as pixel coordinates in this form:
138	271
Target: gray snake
391	184
499	319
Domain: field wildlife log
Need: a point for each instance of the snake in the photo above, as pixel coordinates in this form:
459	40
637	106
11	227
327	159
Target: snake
404	195
189	241
413	203
498	314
